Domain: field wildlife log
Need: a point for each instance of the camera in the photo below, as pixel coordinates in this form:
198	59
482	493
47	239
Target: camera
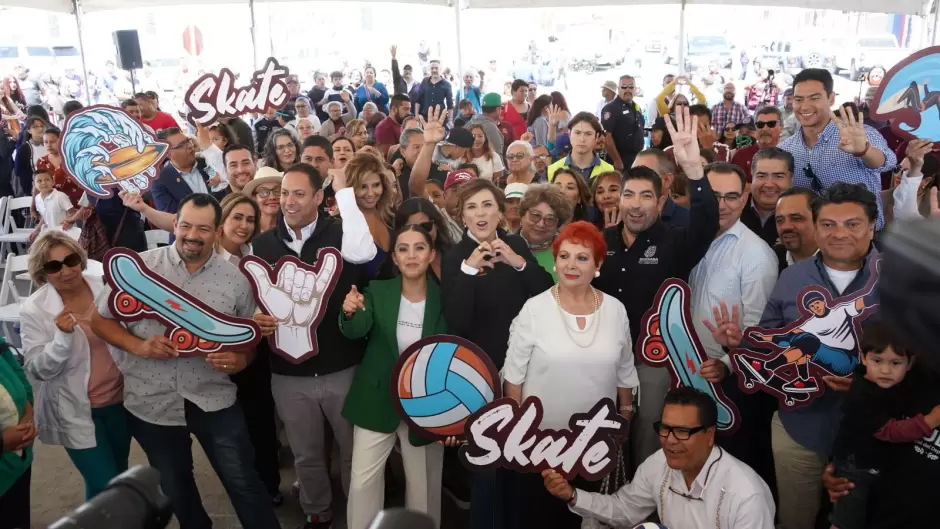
133	500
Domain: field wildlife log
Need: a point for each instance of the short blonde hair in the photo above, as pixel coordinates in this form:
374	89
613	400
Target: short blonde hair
41	248
355	127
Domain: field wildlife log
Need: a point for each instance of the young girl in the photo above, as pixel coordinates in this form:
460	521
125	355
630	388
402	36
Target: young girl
52	205
874	415
393	314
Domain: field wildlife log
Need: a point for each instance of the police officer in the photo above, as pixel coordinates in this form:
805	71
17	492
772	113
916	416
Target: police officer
643	252
624	123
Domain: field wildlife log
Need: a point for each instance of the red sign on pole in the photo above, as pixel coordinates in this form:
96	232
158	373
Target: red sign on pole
192	40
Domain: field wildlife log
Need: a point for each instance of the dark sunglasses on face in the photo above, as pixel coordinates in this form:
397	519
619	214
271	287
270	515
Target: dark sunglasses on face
682	104
627	87
54	267
762	124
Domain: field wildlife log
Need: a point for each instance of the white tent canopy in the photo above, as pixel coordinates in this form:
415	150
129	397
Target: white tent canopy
908	7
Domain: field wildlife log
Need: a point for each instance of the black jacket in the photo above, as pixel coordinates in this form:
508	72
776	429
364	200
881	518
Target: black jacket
766	231
481	308
336	351
633	275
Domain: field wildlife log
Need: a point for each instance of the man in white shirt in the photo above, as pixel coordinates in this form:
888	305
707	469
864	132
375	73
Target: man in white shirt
739	269
691	483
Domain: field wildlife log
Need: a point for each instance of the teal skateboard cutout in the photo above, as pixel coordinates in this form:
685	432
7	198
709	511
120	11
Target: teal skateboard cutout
194	328
668	337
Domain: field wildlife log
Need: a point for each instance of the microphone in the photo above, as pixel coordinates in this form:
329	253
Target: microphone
909	287
401	518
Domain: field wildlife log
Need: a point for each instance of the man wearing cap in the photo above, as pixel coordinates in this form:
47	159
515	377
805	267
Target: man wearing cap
403	80
455	180
488	118
514	193
263	127
652	111
608	93
624	124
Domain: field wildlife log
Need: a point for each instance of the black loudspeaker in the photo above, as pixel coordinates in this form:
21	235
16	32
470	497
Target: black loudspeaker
127	46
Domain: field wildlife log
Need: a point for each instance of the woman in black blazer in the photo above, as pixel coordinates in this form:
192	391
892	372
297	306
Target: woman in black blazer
486	279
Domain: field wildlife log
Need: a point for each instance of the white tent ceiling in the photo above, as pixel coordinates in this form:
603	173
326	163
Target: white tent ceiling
912	7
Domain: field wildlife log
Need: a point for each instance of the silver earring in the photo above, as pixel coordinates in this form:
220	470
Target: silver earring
554	269
597	273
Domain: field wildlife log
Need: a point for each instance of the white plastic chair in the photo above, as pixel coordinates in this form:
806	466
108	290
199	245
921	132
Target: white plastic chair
10	298
156	238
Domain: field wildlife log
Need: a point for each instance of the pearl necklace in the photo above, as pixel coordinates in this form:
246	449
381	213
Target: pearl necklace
594	323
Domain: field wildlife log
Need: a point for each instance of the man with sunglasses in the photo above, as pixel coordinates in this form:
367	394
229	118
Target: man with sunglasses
623	122
181	176
690	484
769	125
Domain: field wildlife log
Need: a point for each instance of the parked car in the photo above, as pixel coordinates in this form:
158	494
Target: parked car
857	55
810	54
703	50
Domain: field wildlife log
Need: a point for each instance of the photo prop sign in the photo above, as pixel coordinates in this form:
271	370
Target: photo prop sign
439	381
195	328
824	341
668	338
212	97
909	96
104	147
504	434
296	294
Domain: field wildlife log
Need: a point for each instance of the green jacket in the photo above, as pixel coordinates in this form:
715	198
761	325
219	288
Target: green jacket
14	382
369	402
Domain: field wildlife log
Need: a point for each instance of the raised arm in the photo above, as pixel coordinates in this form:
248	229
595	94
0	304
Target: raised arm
433	133
358	244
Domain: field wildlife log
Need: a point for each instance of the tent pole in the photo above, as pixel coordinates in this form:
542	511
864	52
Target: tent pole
76	7
459	72
682	38
254	37
936	20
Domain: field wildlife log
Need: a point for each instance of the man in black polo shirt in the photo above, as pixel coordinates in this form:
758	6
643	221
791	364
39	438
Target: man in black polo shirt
673	214
772	174
642	252
435	91
623	121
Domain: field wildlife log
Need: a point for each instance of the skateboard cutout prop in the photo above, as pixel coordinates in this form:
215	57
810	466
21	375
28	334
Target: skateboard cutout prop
909	96
194	328
823	341
667	337
296	294
439	381
507	435
212	97
104	147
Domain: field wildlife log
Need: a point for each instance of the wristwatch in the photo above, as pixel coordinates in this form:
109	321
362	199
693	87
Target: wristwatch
629	408
574	497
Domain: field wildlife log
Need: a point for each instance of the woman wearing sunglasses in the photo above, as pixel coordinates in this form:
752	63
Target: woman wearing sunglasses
393	314
81	399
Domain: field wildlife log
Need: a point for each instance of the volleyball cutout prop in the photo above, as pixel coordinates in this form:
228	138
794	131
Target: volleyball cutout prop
439	382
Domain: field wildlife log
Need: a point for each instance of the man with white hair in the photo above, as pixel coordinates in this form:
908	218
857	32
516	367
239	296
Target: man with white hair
471	92
338	119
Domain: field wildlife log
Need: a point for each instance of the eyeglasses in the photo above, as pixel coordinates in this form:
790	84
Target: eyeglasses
517	156
284	147
185	145
682	104
814	181
681	433
550	221
265	192
627	87
54	267
426	226
542	156
762	124
730	198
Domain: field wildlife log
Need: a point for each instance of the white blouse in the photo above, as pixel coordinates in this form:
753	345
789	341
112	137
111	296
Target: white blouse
410	323
569	378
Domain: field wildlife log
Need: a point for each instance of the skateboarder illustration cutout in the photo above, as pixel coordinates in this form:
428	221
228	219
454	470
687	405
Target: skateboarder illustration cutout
295	293
823	342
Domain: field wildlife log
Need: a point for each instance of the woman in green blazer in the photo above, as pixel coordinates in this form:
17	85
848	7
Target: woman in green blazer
393	314
16	450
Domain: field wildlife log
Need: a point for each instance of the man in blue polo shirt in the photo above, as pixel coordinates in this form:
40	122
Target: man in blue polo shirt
584	129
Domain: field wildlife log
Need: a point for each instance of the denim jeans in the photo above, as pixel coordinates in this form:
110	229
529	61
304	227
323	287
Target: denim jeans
224	438
849	512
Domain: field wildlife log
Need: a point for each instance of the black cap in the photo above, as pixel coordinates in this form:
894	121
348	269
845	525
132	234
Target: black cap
659	124
460	137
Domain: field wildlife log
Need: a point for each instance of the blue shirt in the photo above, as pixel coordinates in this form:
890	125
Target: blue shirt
585	172
434	95
832	165
739	269
675	215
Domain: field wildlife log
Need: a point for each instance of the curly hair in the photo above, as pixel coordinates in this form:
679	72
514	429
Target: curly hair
585	234
548	194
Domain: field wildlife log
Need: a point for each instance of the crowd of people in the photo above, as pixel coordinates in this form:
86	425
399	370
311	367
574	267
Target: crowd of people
539	233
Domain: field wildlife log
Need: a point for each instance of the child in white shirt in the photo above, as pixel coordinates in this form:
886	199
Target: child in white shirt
52	205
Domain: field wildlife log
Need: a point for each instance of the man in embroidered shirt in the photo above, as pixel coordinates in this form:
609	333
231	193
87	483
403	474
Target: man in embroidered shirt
729	110
690	483
170	398
828	149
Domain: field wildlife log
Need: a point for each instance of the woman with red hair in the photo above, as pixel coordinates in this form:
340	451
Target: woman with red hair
571	347
12	105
